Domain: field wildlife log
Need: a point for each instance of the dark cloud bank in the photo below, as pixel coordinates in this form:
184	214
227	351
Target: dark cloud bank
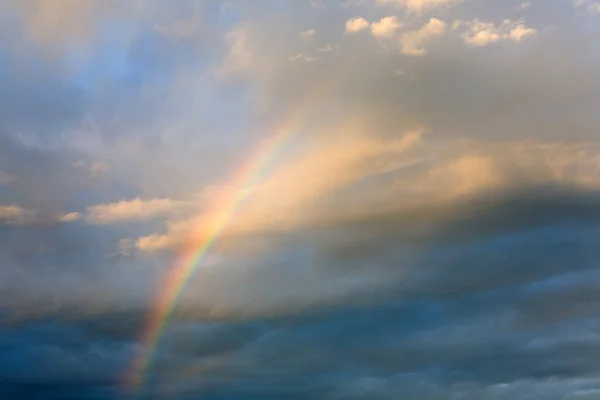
495	300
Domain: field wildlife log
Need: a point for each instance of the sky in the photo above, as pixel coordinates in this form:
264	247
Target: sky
299	199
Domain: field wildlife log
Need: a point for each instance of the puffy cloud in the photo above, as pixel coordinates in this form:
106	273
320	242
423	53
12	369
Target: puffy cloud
483	33
386	27
356	25
413	42
478	33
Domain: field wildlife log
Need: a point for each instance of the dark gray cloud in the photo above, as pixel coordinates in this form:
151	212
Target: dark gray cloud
491	305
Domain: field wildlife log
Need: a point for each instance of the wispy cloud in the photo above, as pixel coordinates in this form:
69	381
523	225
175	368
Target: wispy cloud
15	214
133	210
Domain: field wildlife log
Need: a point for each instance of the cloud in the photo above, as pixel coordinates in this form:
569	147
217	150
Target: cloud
70	217
467	174
308	34
433	337
14	214
302	57
308	185
386	27
410	42
356	25
288	197
413	42
132	210
524	5
483	33
239	57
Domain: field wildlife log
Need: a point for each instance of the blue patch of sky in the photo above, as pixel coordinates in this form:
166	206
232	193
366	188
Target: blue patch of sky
99	60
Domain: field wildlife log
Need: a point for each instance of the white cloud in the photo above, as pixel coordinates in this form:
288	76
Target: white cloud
134	210
483	33
356	25
175	237
413	42
418	5
386	27
520	32
70	217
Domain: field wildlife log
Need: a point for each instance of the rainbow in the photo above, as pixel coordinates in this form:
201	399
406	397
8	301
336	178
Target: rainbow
194	251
